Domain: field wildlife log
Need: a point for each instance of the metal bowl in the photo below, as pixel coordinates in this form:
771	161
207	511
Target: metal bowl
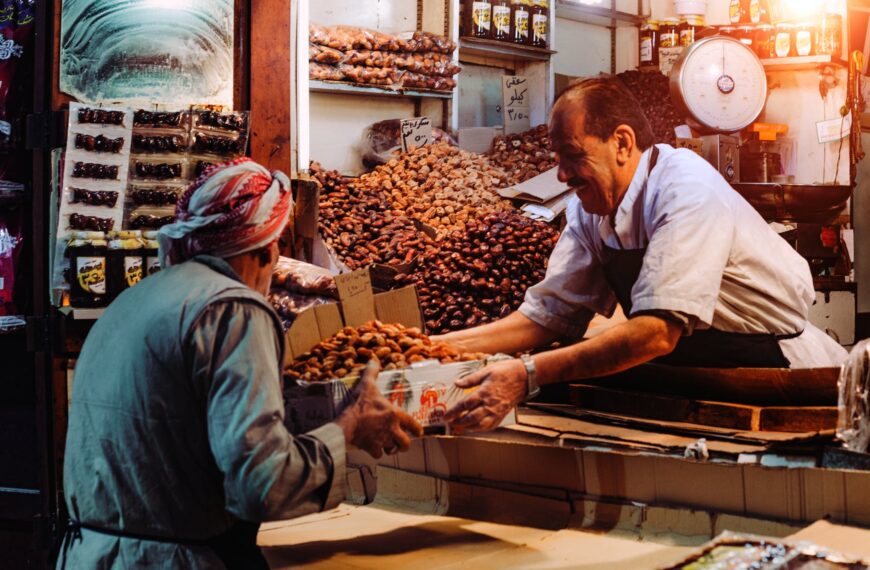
796	202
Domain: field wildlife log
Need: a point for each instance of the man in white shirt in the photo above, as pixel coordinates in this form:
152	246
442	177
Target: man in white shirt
702	278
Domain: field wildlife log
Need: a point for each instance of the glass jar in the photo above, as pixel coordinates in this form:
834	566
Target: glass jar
830	37
501	20
87	277
754	10
784	46
125	261
649	43
151	253
689	26
479	20
520	20
805	39
540	23
735	12
746	36
765	41
669	35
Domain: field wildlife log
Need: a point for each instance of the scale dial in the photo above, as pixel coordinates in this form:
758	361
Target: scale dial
719	84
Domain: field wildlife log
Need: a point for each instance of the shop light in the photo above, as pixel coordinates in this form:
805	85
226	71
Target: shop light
802	9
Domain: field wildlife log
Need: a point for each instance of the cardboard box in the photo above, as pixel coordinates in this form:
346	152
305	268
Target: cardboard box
358	305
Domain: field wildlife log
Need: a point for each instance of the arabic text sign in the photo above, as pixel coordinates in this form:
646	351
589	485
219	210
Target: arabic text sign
516	106
416	133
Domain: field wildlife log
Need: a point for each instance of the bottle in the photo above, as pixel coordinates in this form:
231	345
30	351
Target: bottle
805	39
649	43
735	12
87	278
125	261
669	35
540	23
689	26
151	253
520	20
501	20
755	11
480	21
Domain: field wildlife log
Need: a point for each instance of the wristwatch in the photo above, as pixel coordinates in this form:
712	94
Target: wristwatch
531	381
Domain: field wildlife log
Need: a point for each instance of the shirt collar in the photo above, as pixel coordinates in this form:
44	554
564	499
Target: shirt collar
623	219
219	265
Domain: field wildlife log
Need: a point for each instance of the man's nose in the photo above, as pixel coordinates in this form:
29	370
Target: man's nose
563	175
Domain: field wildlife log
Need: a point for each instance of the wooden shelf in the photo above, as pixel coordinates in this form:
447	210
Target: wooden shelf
801	62
316	86
82	314
597	16
502	50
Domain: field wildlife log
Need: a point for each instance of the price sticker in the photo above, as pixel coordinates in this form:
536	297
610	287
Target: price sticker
416	133
515	104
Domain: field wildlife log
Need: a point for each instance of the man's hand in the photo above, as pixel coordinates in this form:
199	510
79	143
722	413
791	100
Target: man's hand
503	385
373	424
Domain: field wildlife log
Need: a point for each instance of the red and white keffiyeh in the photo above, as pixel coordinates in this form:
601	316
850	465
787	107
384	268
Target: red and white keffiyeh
233	208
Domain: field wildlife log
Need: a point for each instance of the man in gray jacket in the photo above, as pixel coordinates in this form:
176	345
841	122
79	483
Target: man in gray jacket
176	447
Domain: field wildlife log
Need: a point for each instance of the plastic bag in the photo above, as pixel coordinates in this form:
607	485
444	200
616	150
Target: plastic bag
320	72
325	55
383	76
10	250
299	277
427	41
382	141
853	427
289	305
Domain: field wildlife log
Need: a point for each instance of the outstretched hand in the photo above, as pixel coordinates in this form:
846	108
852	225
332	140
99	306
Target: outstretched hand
502	386
373	424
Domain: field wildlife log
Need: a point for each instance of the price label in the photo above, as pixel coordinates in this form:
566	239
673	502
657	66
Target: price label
515	104
833	130
416	133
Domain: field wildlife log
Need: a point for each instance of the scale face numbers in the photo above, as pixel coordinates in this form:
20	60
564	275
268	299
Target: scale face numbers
722	84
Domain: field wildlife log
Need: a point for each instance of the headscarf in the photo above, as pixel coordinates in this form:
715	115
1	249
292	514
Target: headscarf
232	208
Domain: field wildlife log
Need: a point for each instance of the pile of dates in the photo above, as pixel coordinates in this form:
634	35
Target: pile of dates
440	185
392	345
524	155
652	90
481	274
362	227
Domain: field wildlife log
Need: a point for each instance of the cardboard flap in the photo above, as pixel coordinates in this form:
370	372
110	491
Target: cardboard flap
399	306
328	320
357	297
303	335
540	189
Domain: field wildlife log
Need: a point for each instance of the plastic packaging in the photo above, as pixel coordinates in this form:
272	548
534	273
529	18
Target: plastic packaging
297	276
99	116
95	170
289	305
151	218
160	168
84	222
383	76
99	143
219	144
156	194
853	427
106	198
10	250
161	119
159	142
320	72
325	55
382	141
209	119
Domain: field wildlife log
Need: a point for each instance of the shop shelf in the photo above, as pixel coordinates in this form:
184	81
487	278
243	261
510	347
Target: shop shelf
596	15
82	314
350	88
502	50
801	62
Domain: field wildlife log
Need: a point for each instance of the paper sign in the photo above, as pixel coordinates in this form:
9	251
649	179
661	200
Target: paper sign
515	104
540	189
667	58
357	297
834	129
416	133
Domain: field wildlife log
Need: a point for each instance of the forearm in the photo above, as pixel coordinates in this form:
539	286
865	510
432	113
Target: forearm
635	342
512	334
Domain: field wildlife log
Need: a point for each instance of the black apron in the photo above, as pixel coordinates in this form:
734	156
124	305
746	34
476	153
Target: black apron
236	547
709	348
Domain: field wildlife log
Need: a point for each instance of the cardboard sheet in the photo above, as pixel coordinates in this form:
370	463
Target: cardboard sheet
540	189
371	537
840	538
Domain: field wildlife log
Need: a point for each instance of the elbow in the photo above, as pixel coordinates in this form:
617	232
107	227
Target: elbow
664	340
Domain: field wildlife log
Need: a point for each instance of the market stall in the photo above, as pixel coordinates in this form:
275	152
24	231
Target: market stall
426	202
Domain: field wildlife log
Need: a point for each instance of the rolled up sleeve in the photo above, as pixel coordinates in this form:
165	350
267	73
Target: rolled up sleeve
574	288
268	473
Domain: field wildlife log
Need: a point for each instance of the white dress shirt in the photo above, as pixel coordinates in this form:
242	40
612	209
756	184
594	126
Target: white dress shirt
709	256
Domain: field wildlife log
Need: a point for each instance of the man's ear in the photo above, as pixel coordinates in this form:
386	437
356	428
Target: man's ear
626	143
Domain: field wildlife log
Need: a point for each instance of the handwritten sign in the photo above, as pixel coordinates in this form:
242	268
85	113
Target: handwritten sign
667	58
416	133
515	104
357	297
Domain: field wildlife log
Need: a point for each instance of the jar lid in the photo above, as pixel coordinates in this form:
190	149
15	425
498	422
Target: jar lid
671	21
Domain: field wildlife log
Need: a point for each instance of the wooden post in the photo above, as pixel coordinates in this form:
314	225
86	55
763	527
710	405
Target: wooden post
270	70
